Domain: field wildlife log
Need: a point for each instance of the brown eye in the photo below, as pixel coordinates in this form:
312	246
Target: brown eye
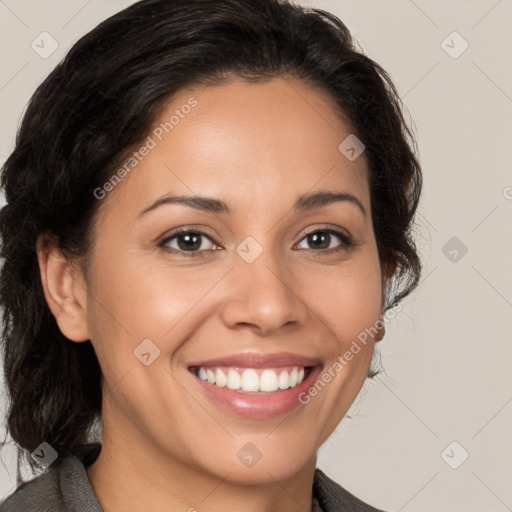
188	242
322	239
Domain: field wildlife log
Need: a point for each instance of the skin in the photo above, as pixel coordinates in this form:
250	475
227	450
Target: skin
258	147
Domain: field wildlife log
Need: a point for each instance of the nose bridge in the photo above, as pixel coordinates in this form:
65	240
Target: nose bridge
263	288
261	259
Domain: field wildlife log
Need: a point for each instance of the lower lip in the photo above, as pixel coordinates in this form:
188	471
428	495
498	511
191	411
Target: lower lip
258	406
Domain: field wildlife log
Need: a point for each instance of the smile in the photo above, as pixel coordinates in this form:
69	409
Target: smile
253	380
255	386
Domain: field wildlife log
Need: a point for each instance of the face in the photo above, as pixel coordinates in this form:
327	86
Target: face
264	288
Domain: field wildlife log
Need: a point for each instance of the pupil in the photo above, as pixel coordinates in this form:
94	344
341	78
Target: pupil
192	241
323	237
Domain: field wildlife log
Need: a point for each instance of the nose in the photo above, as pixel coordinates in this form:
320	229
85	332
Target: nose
263	295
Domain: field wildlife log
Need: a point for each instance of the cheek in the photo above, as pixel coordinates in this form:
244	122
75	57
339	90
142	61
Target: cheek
153	301
132	303
166	304
348	301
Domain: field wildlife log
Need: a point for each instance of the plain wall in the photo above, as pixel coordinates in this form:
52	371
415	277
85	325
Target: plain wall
447	355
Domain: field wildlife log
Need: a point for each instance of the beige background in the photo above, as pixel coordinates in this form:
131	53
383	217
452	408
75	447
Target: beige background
448	353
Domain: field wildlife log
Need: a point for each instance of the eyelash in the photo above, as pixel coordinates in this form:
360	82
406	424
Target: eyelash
346	241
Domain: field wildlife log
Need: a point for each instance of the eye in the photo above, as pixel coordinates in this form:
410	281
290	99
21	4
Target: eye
189	242
322	239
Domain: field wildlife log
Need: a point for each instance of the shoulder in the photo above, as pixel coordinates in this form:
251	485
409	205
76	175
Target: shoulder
64	486
39	494
333	498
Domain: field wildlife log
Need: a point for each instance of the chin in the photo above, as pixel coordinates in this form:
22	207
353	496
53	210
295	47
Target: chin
261	461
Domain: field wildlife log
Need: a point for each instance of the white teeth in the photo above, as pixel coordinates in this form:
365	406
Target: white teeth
293	377
220	379
250	381
267	380
234	380
284	380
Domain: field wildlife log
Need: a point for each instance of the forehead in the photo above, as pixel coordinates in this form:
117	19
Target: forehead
248	143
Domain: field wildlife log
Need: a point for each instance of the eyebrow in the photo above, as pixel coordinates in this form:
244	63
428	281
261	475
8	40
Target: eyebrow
303	203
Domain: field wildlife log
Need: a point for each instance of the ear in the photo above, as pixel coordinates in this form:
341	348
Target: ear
64	289
388	270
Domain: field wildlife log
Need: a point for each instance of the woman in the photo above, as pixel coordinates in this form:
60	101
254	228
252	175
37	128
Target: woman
208	203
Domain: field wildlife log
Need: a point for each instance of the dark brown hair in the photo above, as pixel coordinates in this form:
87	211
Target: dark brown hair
100	101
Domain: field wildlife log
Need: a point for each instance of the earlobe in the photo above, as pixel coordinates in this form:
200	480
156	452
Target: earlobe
64	289
380	335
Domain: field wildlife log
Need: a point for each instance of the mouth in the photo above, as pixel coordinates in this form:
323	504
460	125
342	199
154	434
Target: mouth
254	385
253	380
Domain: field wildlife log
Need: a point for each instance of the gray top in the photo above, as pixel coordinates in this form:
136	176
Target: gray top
65	487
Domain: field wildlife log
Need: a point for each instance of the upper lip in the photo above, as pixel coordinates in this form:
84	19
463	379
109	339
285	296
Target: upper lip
256	360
